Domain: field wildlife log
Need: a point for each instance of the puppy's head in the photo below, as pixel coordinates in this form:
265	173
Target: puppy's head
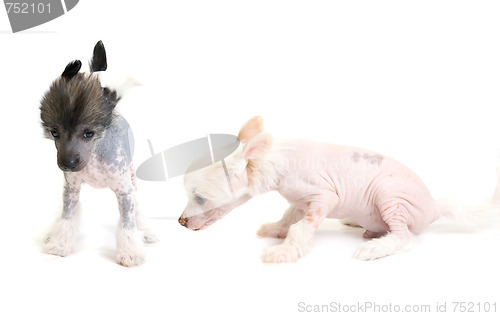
213	191
77	110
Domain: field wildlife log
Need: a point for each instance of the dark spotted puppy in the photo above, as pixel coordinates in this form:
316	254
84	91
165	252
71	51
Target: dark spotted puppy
93	147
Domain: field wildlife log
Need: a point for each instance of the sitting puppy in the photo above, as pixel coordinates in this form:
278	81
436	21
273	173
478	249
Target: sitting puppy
319	181
92	142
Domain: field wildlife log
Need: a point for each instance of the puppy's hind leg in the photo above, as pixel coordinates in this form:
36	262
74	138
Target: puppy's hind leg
280	228
129	239
398	240
149	236
61	239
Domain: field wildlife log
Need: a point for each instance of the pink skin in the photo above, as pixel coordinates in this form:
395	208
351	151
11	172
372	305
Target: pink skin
329	181
374	192
319	181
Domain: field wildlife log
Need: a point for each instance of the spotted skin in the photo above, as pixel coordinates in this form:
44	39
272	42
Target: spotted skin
110	166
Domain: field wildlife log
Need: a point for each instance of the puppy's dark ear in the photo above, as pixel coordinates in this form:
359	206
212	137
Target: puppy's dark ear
110	98
98	61
71	69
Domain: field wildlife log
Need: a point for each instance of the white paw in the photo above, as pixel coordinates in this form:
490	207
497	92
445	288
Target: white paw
130	259
368	251
130	247
57	247
383	247
273	230
284	253
150	237
61	239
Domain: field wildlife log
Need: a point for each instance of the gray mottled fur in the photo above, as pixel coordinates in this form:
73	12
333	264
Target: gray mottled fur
75	105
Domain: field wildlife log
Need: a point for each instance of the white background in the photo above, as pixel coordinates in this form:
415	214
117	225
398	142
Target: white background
415	80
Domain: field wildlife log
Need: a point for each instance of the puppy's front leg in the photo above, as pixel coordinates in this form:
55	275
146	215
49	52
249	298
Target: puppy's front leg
147	232
62	237
130	247
300	235
280	228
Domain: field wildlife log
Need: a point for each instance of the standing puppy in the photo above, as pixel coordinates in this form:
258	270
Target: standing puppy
319	181
92	142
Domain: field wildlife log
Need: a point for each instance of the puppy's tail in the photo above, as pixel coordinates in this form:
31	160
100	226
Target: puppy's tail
473	215
468	215
119	83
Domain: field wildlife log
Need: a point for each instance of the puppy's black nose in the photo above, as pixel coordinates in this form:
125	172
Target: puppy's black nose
183	221
70	164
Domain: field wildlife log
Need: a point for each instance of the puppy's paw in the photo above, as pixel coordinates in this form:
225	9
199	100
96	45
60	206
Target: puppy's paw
369	251
57	247
284	253
383	247
149	237
61	239
130	247
273	230
130	259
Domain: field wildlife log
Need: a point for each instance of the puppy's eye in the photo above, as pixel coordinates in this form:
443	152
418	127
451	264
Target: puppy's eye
88	134
54	133
199	200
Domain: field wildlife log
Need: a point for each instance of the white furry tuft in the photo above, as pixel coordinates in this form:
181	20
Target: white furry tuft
121	84
129	247
267	169
468	214
122	87
390	244
297	244
61	239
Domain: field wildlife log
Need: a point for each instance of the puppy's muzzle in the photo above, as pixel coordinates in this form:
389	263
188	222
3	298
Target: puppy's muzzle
69	164
183	221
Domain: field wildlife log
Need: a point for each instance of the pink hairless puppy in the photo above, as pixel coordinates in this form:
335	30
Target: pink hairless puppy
319	181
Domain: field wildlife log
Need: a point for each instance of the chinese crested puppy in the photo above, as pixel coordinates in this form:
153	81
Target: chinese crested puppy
92	142
319	181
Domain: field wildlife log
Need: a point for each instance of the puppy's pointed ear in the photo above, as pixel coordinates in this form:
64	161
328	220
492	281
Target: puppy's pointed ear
257	146
98	61
71	69
110	98
251	128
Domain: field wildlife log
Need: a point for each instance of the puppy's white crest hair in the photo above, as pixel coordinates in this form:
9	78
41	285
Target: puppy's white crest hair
247	176
266	170
201	182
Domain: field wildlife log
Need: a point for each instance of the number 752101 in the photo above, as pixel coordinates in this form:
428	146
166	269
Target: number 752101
27	8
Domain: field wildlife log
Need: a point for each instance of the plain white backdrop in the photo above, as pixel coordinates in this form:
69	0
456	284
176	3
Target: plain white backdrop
415	80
